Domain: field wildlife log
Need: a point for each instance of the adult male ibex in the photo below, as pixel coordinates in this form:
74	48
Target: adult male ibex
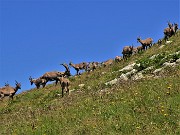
9	91
67	72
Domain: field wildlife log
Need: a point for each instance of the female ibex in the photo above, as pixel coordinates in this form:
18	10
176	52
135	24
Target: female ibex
79	66
145	43
127	51
38	82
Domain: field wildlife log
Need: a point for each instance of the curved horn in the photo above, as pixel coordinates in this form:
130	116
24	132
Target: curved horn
7	84
30	78
16	82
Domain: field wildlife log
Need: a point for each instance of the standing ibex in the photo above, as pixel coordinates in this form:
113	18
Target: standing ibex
79	66
9	91
170	31
52	76
38	82
145	43
64	82
67	72
159	42
91	66
127	51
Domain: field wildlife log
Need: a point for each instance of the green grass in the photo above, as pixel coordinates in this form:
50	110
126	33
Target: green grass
148	106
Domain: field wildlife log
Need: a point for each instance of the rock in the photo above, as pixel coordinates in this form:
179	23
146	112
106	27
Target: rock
157	71
168	42
103	73
167	64
112	82
148	69
81	85
72	90
178	61
103	91
132	72
154	56
137	76
128	68
123	77
177	52
161	46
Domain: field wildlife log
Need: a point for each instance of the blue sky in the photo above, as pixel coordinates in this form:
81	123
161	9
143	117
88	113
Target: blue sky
37	35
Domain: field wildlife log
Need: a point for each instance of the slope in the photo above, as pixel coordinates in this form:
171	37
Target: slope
144	106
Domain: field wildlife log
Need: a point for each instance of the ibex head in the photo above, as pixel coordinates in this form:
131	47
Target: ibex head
138	38
18	85
30	79
7	84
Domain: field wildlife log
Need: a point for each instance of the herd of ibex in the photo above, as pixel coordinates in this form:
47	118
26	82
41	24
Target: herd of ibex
62	77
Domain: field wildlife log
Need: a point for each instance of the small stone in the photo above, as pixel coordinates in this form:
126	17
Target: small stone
123	77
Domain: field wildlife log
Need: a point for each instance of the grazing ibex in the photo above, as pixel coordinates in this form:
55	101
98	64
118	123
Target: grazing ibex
139	48
77	67
52	76
9	91
108	62
145	43
64	82
127	51
38	82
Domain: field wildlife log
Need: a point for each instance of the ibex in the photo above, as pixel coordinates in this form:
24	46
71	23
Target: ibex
38	82
67	72
159	42
91	66
145	43
9	91
64	82
139	48
170	31
108	62
127	51
118	58
77	67
52	76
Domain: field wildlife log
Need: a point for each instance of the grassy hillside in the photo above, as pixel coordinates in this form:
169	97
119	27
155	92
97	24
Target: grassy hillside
146	106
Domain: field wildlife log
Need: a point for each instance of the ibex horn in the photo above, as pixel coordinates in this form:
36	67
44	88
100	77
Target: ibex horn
16	82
